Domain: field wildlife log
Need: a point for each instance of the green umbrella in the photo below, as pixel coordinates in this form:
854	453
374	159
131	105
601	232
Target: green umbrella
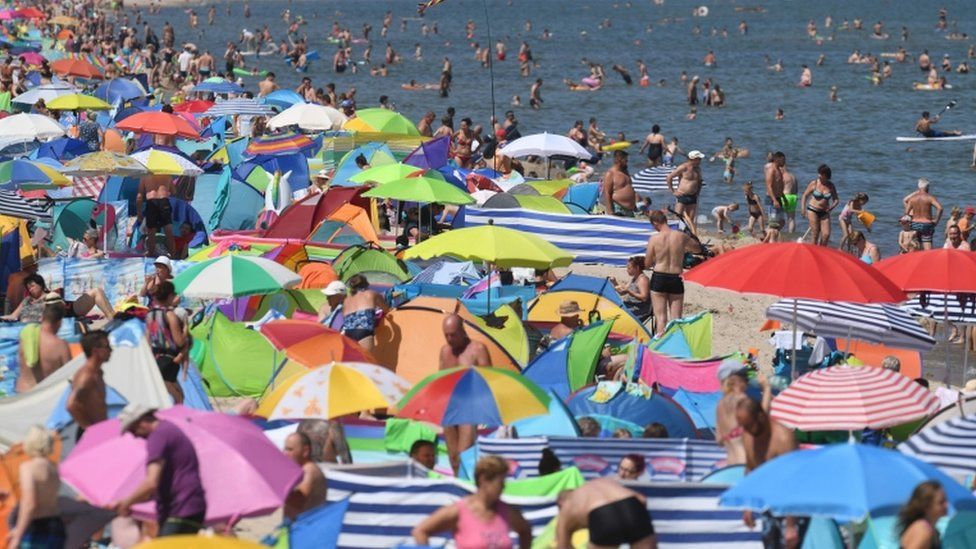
234	276
424	189
381	121
386	173
501	246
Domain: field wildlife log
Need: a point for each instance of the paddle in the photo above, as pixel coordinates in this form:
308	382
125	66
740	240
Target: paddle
947	107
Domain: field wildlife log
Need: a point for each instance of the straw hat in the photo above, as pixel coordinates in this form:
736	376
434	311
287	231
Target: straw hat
569	308
131	414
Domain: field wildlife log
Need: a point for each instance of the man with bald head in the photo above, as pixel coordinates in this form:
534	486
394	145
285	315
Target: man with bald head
460	350
311	490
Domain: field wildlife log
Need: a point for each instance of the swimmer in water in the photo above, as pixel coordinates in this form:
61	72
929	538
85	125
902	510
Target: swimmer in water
624	73
645	79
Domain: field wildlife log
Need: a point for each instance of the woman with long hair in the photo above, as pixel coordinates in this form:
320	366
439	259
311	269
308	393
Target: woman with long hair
916	520
820	198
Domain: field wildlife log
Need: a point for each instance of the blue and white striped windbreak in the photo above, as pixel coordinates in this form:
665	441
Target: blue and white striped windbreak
238	107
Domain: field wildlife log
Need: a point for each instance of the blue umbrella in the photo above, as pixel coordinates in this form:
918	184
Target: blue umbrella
217	87
283	99
63	148
842	481
119	90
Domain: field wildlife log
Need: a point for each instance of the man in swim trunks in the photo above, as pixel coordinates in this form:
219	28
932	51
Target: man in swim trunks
460	350
689	187
613	514
924	127
152	203
774	186
789	197
617	190
666	256
919	206
654	143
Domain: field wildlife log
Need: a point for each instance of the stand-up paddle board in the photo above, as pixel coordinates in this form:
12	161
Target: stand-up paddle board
970	137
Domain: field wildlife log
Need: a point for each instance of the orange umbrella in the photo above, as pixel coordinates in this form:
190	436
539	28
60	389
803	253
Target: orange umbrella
312	344
76	67
159	123
66	34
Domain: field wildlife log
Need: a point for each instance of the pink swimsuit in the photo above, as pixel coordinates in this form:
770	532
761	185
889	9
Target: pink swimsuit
473	533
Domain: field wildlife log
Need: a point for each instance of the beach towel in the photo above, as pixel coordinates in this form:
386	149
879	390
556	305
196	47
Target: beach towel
30	344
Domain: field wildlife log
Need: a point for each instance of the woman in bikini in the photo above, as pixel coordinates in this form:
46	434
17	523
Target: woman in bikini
462	144
756	212
822	195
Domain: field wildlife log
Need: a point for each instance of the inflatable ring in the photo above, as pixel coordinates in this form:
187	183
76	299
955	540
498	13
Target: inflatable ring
701	11
618	146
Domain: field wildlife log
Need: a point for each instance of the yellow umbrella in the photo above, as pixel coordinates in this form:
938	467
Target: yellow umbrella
503	247
334	390
77	102
199	542
63	20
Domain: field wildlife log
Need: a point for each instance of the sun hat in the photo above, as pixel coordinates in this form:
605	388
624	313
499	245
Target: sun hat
569	308
163	260
730	367
696	154
52	298
131	414
336	287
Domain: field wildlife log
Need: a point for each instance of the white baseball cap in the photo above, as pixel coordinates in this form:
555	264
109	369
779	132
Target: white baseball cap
163	260
336	287
131	414
696	154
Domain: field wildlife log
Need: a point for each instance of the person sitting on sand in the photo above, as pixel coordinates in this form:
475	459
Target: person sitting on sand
615	516
631	466
772	233
311	490
636	293
569	320
39	521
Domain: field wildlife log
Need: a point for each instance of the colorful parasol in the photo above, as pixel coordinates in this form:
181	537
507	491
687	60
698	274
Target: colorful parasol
234	276
311	343
76	67
381	121
159	123
161	162
281	144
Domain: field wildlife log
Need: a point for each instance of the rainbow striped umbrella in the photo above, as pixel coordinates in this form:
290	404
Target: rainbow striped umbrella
276	145
162	162
27	175
474	396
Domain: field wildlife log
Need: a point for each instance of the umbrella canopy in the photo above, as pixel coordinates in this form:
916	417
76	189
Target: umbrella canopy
941	270
878	323
952	307
217	85
282	99
103	163
76	67
950	446
845	398
47	92
381	121
474	396
63	20
77	102
61	149
501	246
545	145
334	390
238	107
840	481
311	343
24	174
242	472
423	189
21	128
309	117
119	90
234	276
161	162
796	271
158	123
199	542
31	58
193	106
277	145
386	173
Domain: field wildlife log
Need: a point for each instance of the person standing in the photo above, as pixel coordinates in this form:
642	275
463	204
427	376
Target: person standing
773	171
666	255
86	402
917	519
535	94
617	189
654	144
820	199
39	523
312	489
460	350
689	187
172	473
44	354
925	212
167	338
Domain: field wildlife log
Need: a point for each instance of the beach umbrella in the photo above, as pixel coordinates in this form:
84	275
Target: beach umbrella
32	58
159	123
423	189
76	67
217	85
29	13
474	396
196	541
378	120
238	107
103	163
844	482
234	276
311	343
334	390
243	473
194	106
847	398
501	246
14	205
162	162
544	145
950	446
47	92
63	148
309	117
883	324
21	128
27	175
796	271
77	102
119	90
282	99
63	20
386	173
280	144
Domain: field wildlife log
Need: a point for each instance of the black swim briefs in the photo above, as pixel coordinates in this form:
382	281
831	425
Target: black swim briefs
620	522
667	283
686	199
159	213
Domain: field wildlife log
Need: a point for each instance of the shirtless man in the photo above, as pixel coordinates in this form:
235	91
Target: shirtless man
311	490
614	515
666	256
52	353
535	94
774	186
689	187
924	127
618	193
86	403
654	143
460	350
424	126
205	65
764	439
569	320
919	206
789	197
267	85
728	433
154	192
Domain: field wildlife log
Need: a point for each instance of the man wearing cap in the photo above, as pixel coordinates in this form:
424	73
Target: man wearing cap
41	351
172	473
86	402
335	295
689	187
617	189
925	211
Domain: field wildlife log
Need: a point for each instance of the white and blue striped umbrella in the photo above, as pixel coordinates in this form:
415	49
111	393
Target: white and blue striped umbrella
938	307
875	323
950	446
651	180
238	107
14	205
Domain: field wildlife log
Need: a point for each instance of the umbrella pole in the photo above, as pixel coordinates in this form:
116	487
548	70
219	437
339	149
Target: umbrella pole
793	345
965	354
945	318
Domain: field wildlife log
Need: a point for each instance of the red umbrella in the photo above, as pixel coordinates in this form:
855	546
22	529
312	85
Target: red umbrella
194	106
940	270
159	123
796	271
77	67
845	398
29	13
312	344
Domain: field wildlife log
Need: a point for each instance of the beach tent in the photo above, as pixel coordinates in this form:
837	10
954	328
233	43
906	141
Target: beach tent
688	337
570	363
376	154
409	340
546	204
430	155
544	312
231	153
673	373
559	421
71	220
300	218
601	286
131	372
316	275
285	302
233	359
701	407
376	264
347	226
226	203
634	410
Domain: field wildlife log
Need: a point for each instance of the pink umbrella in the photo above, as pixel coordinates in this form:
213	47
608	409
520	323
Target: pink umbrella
243	473
32	58
6	15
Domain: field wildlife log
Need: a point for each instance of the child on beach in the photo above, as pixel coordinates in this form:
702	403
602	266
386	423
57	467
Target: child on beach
722	216
755	210
853	208
907	237
772	232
